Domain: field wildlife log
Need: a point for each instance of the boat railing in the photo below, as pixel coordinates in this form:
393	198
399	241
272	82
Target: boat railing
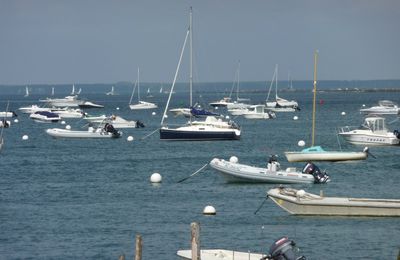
345	129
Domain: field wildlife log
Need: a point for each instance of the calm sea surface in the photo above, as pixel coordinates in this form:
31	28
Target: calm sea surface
76	199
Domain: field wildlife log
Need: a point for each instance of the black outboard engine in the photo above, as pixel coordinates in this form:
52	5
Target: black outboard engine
139	124
396	133
110	129
283	249
319	176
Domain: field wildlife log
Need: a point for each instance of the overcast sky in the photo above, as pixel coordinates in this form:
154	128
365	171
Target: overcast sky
104	41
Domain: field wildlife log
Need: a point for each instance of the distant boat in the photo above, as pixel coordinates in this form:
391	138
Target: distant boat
384	107
111	92
149	95
45	117
141	104
258	112
102	132
209	129
316	153
52	91
299	202
26	92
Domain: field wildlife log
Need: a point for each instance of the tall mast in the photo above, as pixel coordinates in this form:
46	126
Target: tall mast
191	58
238	82
276	82
138	88
315	95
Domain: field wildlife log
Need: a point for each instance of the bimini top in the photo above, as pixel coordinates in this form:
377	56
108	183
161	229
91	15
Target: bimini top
47	114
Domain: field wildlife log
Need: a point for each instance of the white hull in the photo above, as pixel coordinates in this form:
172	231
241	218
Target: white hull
334	156
220	254
237	105
303	203
117	121
43	119
359	138
249	115
281	109
143	105
237	111
235	172
181	112
68	113
32	109
91	133
7	114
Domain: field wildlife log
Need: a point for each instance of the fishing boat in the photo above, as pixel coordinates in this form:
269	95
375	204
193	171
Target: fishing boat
372	132
32	109
299	202
280	104
101	132
317	153
210	128
384	107
141	104
233	171
258	112
45	117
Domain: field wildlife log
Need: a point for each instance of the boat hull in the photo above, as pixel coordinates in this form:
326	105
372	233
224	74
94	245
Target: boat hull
220	254
368	139
310	204
235	172
186	134
325	156
64	133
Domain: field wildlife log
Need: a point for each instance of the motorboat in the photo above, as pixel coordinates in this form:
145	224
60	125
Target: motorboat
258	112
233	171
141	105
5	123
222	103
372	132
101	132
68	112
384	107
238	111
32	109
299	202
181	111
68	101
200	130
45	117
89	104
316	152
8	114
117	121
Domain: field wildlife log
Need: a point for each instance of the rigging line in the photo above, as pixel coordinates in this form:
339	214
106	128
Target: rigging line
270	85
133	91
262	204
149	134
196	172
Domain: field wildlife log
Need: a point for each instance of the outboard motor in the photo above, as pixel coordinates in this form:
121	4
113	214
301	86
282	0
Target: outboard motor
139	124
396	133
319	176
283	249
110	129
273	164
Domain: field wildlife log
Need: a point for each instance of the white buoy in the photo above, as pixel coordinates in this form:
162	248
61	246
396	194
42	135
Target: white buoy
68	127
154	113
295	118
233	159
25	137
16	121
209	210
343	113
130	138
117	108
63	122
301	143
227	117
156	178
216	107
363	105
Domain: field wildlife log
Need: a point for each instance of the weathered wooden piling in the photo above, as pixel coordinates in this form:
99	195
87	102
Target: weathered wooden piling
138	250
195	240
121	257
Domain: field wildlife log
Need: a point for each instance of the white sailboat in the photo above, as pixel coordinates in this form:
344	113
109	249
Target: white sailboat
111	92
26	92
209	129
316	153
141	104
52	91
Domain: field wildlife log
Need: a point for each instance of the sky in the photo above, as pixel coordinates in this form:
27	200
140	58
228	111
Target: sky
105	41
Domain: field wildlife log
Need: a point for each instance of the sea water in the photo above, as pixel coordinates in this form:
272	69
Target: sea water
88	199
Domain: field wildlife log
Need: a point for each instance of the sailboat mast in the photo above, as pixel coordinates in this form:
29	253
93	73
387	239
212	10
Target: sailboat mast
191	58
315	95
138	87
276	82
238	82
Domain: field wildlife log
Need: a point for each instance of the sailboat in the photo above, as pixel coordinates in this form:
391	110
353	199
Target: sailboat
280	104
112	92
316	153
149	95
209	129
52	91
141	104
26	92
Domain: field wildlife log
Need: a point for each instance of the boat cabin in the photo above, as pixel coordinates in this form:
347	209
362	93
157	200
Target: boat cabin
375	124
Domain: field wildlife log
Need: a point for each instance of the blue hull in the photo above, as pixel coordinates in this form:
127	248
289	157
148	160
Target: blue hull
178	135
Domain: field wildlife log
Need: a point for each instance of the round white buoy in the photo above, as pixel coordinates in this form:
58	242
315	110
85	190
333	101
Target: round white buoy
25	137
155	178
209	210
295	118
343	113
301	143
117	108
68	127
216	107
363	105
227	117
63	122
16	120
233	159
154	113
130	138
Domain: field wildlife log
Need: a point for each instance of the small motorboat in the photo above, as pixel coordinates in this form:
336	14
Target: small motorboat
221	103
68	112
8	114
258	112
143	105
299	202
372	132
233	171
88	104
384	107
102	132
117	121
316	153
45	117
32	109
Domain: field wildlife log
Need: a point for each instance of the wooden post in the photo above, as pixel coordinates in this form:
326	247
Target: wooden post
121	257
138	251
195	240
